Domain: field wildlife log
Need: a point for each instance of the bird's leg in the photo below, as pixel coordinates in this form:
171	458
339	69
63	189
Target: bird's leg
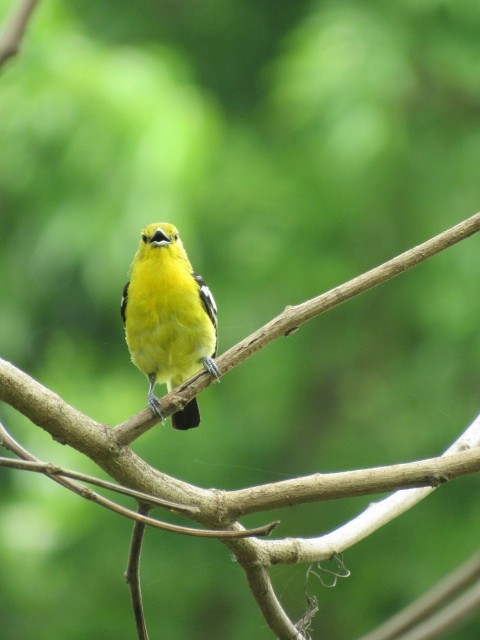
153	401
211	367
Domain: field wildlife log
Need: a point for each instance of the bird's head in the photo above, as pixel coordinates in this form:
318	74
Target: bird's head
160	237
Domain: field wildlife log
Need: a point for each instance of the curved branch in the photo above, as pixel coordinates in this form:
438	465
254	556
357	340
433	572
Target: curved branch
31	463
108	448
376	515
291	319
255	562
52	471
56	473
69	425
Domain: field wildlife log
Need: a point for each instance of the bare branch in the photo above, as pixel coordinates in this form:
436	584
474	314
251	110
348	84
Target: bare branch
440	595
258	578
57	417
375	516
69	426
291	319
215	508
51	470
316	549
256	564
88	494
44	407
12	36
132	574
348	484
96	441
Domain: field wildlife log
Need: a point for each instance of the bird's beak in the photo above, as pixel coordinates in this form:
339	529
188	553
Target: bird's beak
160	239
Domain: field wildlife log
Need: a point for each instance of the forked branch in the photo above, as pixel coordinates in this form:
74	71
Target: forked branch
30	463
217	509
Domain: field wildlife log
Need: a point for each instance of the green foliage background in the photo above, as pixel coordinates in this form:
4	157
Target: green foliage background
295	144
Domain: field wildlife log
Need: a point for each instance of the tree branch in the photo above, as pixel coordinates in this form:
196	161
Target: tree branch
258	578
215	508
132	574
12	36
65	423
439	595
33	464
69	426
290	320
376	515
51	470
349	484
255	556
325	547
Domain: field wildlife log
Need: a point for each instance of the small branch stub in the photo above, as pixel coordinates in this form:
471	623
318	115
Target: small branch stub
437	479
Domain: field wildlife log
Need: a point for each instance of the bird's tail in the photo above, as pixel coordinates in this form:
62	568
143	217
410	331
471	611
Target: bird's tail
188	417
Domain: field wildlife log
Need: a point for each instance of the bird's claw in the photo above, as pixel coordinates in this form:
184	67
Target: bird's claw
154	406
211	367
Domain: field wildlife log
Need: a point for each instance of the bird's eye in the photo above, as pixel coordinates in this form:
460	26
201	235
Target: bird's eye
144	237
175	236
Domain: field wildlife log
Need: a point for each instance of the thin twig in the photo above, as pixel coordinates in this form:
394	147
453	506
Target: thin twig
439	595
88	494
51	470
12	36
291	319
132	574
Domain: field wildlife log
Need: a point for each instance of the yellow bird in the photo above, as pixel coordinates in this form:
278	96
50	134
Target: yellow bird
170	317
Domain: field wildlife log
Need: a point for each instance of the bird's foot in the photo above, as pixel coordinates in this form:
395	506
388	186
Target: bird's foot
154	405
211	367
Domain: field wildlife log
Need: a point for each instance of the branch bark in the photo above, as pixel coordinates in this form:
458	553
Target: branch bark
68	425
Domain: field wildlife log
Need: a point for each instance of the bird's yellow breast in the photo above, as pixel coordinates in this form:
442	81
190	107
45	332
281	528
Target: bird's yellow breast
168	331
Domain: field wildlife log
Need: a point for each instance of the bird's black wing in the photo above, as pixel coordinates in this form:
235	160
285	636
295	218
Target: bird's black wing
208	302
123	304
